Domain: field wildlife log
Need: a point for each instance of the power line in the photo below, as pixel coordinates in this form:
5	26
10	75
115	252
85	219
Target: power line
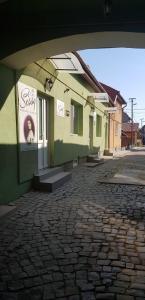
66	85
141	121
138	112
136	109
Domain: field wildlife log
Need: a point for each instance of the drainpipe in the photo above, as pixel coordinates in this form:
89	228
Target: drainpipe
124	106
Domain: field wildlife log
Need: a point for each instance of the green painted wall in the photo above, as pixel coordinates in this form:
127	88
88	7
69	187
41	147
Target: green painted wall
67	146
9	186
17	167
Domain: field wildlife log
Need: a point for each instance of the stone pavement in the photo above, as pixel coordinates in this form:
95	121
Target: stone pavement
5	209
132	171
85	241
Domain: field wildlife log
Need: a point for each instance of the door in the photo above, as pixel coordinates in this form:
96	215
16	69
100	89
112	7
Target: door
42	133
91	133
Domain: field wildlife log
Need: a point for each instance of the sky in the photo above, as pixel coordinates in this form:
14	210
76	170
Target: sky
124	70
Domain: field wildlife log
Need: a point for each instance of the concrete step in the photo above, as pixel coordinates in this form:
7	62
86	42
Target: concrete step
51	183
91	157
99	160
107	153
92	164
46	173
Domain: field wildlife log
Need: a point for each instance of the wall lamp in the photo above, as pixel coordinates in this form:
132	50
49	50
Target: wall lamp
66	90
48	84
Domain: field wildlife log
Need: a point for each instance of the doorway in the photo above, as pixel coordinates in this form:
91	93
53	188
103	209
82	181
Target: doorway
43	114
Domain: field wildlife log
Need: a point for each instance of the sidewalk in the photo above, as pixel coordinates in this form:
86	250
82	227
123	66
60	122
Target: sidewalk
132	170
84	241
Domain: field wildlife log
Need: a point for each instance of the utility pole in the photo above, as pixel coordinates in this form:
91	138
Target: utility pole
132	104
141	121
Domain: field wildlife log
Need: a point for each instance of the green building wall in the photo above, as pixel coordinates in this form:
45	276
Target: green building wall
10	188
17	167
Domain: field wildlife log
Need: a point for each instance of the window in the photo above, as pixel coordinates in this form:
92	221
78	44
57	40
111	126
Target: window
76	118
98	126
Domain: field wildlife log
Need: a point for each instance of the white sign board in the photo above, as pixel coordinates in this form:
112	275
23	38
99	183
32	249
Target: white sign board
27	117
100	97
60	108
111	109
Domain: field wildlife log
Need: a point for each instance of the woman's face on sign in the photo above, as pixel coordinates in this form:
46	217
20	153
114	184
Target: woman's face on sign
29	124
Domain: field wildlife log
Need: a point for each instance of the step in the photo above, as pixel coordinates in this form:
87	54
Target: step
46	173
99	160
51	183
92	164
91	157
107	153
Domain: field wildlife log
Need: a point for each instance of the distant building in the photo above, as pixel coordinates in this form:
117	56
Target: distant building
142	132
115	119
130	134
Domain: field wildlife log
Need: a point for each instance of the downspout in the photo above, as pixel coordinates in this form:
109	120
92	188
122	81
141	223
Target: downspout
124	106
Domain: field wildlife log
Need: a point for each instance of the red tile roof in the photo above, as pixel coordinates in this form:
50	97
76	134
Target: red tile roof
113	93
127	127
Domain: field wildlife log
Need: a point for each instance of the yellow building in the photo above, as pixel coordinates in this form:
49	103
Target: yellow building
115	118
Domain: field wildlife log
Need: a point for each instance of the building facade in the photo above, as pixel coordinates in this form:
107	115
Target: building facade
142	133
46	120
115	118
130	135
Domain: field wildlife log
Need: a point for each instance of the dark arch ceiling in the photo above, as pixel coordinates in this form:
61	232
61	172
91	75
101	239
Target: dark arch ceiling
25	23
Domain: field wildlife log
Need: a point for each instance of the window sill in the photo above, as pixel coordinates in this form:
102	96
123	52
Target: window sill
75	134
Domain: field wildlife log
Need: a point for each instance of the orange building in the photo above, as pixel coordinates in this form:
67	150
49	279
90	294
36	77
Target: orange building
115	119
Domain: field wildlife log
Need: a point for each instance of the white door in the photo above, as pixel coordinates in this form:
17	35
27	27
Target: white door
42	133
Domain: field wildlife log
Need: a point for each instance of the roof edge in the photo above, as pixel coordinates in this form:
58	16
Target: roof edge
90	77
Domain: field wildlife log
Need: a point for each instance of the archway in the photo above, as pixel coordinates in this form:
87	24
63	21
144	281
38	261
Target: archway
30	30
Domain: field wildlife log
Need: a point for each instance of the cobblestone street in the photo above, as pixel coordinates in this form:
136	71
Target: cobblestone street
85	241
